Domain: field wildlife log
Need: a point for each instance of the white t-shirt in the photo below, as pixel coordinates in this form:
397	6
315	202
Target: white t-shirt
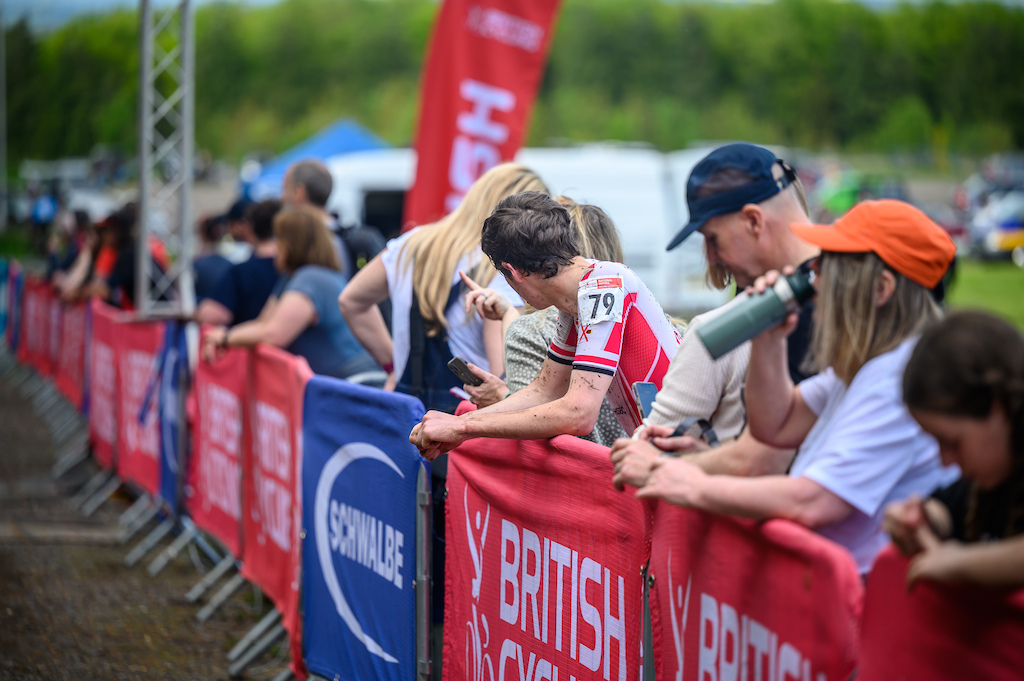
866	449
620	330
465	332
698	386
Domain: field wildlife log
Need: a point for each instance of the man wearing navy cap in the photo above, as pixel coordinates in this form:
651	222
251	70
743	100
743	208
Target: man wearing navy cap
742	199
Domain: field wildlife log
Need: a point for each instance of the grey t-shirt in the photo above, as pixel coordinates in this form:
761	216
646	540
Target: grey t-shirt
328	344
526	347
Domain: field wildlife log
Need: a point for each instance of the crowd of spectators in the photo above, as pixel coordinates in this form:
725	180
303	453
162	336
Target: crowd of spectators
868	414
864	415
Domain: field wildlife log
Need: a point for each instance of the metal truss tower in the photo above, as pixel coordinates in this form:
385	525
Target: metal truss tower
166	150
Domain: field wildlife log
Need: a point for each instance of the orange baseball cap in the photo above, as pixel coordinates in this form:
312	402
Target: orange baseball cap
904	238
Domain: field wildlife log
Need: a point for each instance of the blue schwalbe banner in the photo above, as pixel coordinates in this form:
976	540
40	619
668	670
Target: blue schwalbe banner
359	519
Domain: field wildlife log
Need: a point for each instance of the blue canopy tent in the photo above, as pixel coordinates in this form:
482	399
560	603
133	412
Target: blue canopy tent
341	137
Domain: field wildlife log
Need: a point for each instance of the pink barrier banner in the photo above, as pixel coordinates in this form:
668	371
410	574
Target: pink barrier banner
103	403
55	317
35	340
938	631
69	367
272	515
732	599
543	560
213	492
138	443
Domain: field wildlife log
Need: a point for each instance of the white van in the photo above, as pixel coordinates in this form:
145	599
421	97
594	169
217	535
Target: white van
642	190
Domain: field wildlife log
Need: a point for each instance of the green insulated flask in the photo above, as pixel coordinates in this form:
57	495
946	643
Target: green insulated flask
748	315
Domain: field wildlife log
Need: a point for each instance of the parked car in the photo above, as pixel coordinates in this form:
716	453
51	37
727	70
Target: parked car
998	229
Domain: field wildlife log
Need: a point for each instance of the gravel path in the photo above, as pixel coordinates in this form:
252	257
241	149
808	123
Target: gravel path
69	608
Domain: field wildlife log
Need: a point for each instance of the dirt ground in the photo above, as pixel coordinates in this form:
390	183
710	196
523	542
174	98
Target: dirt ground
69	608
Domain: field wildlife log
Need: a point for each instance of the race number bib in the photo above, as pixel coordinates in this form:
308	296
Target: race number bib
601	300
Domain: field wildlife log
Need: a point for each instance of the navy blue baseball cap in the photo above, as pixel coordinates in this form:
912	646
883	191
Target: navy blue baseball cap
749	159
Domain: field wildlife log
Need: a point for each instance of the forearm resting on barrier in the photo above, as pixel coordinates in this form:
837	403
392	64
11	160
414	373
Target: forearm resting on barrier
800	500
745	456
996	563
521	417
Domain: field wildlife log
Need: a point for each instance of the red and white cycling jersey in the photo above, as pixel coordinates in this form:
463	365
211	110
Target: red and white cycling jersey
619	330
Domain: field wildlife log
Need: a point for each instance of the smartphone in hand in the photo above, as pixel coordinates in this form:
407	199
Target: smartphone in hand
459	368
645	392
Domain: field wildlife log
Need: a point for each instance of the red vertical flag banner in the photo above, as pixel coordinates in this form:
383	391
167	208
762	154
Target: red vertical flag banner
213	491
138	442
272	509
106	323
483	69
70	365
542	564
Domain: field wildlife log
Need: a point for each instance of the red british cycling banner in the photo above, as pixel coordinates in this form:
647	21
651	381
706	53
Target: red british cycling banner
69	367
106	325
55	318
272	511
543	560
483	68
938	631
138	435
36	337
213	491
732	599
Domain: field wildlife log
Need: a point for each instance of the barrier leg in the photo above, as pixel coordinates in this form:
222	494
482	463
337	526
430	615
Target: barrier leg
285	675
68	428
423	565
9	368
44	398
140	522
256	650
210	578
107	491
90	488
141	505
272	618
32	385
148	542
172	551
73	453
23	377
223	594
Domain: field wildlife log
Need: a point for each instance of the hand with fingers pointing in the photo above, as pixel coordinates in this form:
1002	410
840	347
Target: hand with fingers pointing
489	303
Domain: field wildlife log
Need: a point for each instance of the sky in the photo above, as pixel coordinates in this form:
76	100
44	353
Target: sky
44	15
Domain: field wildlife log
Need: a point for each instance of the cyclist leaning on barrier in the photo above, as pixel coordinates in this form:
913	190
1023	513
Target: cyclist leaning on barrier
606	314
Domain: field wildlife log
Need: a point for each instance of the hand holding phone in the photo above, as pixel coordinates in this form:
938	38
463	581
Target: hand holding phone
459	368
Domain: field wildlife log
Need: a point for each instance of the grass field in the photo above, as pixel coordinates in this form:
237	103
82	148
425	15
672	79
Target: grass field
997	287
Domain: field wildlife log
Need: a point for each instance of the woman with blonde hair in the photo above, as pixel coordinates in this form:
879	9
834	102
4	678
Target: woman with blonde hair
419	271
859	447
301	314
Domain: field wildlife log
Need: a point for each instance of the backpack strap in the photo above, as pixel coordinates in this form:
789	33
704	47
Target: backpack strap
414	376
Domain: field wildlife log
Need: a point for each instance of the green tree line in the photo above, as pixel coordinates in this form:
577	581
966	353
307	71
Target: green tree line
935	77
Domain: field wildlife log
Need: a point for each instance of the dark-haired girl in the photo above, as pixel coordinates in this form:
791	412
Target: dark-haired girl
964	383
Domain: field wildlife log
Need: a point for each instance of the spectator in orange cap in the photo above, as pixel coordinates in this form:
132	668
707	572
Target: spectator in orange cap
859	447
